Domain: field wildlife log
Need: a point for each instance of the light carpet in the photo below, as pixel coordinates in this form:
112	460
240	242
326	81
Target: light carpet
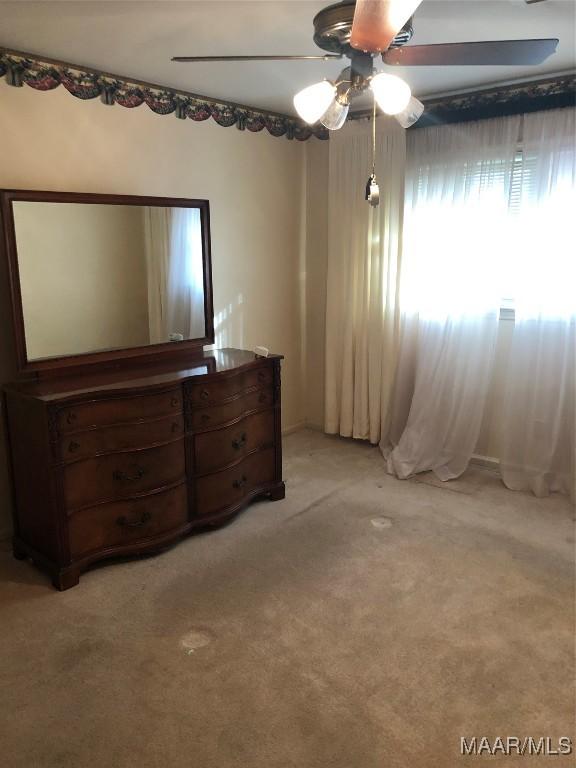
363	622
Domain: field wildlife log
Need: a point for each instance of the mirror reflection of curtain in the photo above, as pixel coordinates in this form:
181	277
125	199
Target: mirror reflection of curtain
175	273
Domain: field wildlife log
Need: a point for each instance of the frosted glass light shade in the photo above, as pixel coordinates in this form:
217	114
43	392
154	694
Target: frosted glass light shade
411	114
392	93
335	116
312	102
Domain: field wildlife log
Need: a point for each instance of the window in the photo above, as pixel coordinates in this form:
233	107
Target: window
489	220
522	183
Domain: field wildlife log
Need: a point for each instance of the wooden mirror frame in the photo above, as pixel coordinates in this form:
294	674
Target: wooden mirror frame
112	357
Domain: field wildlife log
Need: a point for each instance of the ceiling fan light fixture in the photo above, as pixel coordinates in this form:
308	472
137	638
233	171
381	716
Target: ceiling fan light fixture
411	114
391	93
336	114
312	102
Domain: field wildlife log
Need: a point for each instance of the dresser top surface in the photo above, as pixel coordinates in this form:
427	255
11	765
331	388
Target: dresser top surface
206	363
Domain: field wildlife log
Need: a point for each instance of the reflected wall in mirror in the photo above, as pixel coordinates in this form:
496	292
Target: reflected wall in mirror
98	276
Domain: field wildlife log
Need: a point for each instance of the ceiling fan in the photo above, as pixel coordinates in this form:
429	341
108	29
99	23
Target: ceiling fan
364	29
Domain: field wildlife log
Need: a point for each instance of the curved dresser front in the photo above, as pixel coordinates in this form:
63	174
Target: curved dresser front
127	462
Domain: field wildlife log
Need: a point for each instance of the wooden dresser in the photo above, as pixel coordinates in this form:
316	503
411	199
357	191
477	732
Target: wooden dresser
126	462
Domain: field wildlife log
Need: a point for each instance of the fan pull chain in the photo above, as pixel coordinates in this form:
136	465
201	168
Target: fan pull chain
374	136
372	188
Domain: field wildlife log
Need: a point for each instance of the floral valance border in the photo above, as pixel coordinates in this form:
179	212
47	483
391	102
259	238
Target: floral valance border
43	74
499	101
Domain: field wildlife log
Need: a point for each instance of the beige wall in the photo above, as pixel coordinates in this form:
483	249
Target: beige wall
53	141
316	268
82	276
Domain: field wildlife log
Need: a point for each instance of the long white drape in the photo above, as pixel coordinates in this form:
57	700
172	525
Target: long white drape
364	249
175	272
538	425
157	240
457	197
488	222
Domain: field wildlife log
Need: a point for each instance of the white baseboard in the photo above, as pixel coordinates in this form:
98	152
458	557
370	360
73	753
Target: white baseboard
294	428
485	461
490	462
303	425
315	427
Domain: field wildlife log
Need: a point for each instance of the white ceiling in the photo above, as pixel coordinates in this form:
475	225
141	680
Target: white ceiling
137	39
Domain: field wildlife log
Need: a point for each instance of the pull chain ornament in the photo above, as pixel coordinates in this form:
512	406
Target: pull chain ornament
372	188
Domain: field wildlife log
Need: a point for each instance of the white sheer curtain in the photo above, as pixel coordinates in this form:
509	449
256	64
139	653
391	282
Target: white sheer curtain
175	272
538	426
185	289
457	198
157	240
364	248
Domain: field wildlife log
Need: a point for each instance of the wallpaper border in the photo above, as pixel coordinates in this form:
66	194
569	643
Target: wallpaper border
45	74
497	101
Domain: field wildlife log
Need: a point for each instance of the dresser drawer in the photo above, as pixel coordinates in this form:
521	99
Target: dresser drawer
118	410
122	475
140	434
203	418
125	522
223	446
224	489
214	392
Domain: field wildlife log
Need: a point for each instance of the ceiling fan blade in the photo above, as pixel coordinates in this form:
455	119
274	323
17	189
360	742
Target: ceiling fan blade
326	57
495	52
377	22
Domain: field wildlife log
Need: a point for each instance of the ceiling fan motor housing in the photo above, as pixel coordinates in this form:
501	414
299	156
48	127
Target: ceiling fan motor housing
333	25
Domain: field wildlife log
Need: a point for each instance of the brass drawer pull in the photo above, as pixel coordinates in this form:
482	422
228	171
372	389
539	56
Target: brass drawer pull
123	522
240	483
73	446
174	402
239	442
204	394
70	417
125	477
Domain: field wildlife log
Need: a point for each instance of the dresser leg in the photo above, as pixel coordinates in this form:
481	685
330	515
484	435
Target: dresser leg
18	550
66	578
278	492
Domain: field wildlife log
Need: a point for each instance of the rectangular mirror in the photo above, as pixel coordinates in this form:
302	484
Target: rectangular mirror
94	274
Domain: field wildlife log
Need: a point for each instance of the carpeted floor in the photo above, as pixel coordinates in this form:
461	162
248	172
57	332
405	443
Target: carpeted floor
364	622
